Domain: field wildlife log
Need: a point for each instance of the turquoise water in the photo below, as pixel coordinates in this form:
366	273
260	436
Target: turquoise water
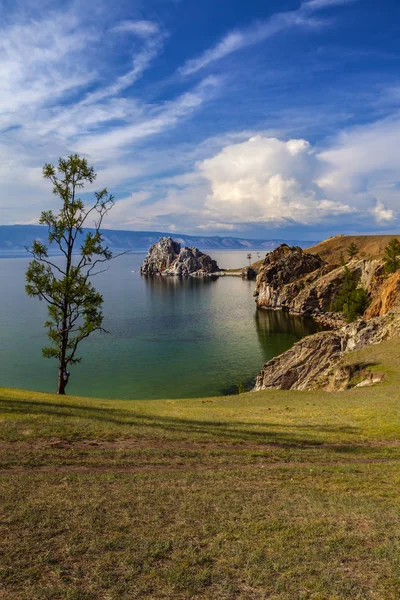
169	338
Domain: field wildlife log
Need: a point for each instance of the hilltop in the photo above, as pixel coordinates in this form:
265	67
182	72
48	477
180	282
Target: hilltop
370	246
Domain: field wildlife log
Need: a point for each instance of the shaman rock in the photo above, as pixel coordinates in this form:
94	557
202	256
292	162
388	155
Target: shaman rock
160	256
168	258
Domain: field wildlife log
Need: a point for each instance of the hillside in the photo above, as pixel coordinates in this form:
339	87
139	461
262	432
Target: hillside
370	246
14	239
271	494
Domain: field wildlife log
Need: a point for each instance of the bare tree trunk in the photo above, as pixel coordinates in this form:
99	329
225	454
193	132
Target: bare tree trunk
63	374
61	381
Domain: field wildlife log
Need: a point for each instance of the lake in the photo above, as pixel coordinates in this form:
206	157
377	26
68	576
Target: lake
169	338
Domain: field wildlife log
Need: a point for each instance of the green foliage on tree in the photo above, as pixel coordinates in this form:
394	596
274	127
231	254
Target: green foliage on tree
352	250
74	305
392	256
351	299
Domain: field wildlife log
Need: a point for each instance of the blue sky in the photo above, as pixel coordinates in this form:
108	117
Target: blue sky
257	119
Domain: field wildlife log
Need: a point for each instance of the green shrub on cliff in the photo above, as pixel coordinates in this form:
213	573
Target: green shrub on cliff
352	250
351	299
392	256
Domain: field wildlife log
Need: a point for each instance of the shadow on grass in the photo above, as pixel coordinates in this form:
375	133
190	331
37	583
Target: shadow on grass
234	431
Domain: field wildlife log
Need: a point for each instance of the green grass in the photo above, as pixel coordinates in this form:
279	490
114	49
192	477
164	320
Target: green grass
270	495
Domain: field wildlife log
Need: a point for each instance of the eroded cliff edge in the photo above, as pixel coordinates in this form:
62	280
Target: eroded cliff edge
303	283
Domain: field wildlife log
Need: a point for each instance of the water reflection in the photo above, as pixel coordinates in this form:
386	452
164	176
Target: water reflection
281	321
159	285
282	329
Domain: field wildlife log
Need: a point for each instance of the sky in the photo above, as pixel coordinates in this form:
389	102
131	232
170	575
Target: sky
264	119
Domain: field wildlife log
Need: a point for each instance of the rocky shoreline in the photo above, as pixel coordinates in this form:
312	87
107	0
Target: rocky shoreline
304	284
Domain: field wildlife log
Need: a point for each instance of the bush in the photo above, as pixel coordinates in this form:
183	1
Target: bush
392	256
352	250
351	299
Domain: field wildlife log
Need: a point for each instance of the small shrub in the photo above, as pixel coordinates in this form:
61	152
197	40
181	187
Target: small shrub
351	299
241	388
392	256
352	250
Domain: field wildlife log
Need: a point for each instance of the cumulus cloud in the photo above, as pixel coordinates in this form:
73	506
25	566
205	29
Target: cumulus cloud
268	180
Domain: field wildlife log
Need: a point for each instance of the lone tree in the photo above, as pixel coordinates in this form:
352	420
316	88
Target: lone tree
74	306
352	250
392	256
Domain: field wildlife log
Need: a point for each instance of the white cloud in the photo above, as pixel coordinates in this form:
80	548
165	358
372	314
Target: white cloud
45	66
158	118
382	214
270	181
260	31
140	28
320	4
210	226
267	181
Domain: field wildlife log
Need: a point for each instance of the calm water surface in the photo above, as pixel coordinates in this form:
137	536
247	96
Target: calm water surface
169	338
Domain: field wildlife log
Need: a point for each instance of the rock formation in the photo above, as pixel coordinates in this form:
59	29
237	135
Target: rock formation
281	277
291	280
386	297
160	256
191	261
248	273
315	361
304	284
168	258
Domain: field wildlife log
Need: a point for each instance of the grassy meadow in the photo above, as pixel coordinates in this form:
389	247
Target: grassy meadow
269	495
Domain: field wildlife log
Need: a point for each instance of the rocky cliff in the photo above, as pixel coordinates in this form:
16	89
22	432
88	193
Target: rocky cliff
303	283
168	258
315	361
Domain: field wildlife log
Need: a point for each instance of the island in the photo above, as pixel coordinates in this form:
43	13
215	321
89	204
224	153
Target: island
167	257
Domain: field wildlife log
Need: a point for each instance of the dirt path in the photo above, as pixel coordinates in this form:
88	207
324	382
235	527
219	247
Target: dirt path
181	467
166	444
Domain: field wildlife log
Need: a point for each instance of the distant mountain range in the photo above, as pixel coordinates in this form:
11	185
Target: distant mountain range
14	239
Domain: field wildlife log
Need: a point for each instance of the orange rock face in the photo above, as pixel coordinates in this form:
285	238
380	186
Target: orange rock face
386	297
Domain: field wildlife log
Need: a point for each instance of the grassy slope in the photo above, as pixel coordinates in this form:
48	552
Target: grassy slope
370	246
278	495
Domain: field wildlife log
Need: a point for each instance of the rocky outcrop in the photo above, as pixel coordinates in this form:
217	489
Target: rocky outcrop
168	258
191	261
248	273
314	361
283	276
304	284
160	256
